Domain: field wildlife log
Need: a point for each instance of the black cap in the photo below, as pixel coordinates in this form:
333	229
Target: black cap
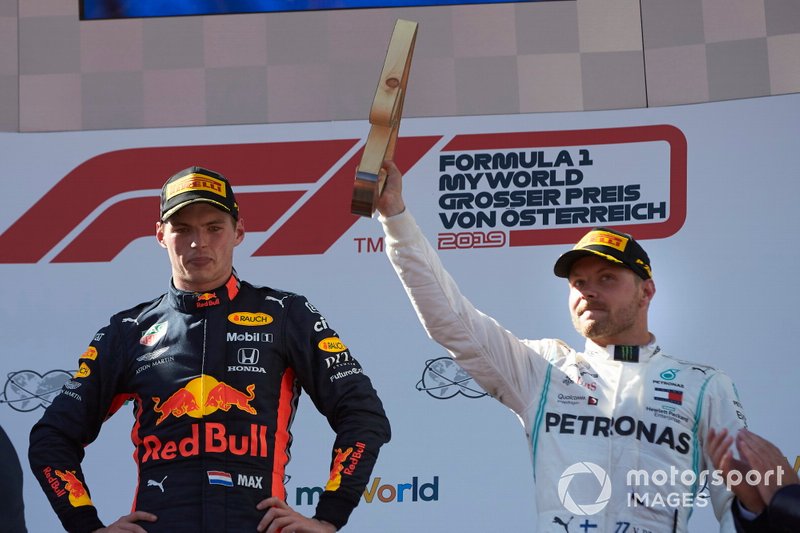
611	245
197	184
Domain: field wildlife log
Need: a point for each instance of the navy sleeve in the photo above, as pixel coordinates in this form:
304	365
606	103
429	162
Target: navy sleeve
12	507
336	383
69	424
784	509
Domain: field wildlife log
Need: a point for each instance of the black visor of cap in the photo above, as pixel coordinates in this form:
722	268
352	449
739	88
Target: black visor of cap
197	184
611	245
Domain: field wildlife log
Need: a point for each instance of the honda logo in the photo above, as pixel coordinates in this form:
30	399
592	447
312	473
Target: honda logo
247	356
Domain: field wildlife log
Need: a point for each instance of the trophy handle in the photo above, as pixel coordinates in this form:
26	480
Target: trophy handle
384	117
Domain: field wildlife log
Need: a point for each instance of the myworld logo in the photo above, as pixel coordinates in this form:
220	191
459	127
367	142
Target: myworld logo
378	490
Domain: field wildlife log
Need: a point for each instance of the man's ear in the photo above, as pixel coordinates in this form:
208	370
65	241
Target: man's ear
648	289
239	230
160	233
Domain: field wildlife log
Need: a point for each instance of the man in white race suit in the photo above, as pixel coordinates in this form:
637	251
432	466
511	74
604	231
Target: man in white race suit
620	411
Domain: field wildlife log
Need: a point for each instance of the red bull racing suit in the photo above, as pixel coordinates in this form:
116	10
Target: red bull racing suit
615	433
215	379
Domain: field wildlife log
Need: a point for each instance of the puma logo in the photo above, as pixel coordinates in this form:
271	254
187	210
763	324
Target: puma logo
557	520
279	300
154	483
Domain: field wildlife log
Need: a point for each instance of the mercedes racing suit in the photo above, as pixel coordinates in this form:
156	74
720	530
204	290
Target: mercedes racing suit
215	378
604	426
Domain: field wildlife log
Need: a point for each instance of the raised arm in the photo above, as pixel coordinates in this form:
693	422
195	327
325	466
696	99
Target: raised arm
501	363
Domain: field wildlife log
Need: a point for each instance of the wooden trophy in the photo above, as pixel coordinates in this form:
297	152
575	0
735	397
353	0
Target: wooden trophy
384	117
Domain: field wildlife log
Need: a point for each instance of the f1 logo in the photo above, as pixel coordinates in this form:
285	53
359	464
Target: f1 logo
106	202
247	356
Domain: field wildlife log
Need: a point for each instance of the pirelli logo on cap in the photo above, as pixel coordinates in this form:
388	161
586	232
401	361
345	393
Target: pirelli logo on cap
603	238
196	182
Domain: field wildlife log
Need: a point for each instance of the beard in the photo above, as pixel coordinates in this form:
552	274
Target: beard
611	324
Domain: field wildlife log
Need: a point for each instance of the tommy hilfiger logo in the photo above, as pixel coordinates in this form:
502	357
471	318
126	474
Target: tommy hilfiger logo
669	395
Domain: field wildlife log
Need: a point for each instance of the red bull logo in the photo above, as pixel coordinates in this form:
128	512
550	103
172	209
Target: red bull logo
78	496
203	396
207	299
217	440
339	469
53	481
336	469
355	458
200	397
224	397
180	403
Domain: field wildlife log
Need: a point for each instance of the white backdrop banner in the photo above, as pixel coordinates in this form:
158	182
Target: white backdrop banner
712	190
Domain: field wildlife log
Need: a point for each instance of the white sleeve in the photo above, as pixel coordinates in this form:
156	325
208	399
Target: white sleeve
722	410
506	367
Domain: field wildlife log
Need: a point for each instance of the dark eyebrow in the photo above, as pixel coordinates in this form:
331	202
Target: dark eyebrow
214	222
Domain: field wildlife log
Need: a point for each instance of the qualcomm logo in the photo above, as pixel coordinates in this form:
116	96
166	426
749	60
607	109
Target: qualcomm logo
584	508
